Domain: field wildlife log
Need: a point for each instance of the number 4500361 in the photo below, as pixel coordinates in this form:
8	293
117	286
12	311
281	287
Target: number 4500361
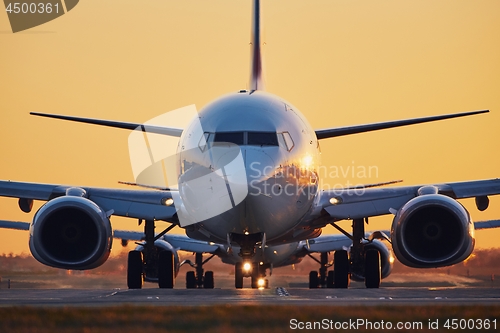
32	8
471	324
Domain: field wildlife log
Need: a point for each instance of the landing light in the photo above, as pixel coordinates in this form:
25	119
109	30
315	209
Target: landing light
247	233
247	267
168	201
335	201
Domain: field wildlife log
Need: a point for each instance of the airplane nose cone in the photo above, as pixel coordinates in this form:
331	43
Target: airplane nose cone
260	167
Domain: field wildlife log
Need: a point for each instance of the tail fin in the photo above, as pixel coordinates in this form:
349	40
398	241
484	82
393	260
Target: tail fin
256	79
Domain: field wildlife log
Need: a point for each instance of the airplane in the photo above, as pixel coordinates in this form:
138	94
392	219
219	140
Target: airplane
247	172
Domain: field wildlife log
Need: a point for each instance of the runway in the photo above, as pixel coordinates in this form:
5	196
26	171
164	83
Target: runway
275	296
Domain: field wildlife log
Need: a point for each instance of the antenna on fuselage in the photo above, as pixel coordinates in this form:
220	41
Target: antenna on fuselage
256	79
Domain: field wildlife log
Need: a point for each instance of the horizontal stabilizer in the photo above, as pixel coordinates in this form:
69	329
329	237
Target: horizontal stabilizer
181	242
171	131
487	224
341	131
14	225
373	185
160	188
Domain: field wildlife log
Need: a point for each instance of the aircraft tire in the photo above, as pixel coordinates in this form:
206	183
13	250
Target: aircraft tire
341	269
255	275
166	269
330	279
190	280
372	269
238	275
134	270
313	280
208	281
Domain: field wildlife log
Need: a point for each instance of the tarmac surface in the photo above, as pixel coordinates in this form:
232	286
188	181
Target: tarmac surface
275	296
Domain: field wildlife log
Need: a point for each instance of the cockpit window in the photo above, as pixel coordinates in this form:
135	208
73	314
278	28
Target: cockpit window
262	139
286	141
205	139
237	138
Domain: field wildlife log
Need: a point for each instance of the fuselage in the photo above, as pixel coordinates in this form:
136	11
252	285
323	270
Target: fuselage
248	165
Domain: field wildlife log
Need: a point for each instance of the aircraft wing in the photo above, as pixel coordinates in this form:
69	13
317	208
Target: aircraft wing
361	203
150	205
181	242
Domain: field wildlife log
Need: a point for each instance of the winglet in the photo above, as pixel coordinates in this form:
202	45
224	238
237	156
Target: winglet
256	79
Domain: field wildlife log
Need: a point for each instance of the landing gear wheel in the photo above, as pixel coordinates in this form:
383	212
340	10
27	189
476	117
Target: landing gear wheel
330	279
313	280
208	281
255	275
190	280
166	269
372	269
134	270
238	275
341	269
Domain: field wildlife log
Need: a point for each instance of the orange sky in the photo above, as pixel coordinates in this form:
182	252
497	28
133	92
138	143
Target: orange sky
340	62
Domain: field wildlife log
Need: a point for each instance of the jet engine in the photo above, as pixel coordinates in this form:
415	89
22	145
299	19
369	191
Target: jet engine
432	230
71	232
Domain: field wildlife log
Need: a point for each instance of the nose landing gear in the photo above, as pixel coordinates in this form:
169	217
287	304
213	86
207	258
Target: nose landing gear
254	270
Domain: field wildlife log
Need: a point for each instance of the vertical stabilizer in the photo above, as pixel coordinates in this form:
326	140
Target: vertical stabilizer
256	79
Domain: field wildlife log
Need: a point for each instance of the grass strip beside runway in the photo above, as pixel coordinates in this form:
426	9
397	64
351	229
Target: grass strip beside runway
221	319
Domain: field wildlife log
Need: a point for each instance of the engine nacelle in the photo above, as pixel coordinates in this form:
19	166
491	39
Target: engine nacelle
432	230
71	232
162	245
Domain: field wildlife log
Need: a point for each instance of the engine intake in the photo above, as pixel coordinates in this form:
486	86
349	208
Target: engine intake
432	230
72	233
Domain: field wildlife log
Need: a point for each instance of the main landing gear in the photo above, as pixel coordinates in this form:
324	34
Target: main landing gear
363	263
151	263
337	278
197	278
